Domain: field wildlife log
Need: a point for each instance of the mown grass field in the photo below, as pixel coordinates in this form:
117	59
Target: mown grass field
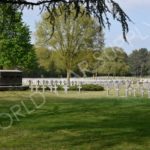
85	121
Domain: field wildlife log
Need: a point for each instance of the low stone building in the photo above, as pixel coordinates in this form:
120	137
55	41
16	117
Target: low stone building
10	78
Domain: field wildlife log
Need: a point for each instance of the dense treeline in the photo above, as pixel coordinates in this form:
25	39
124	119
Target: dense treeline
77	49
139	62
112	61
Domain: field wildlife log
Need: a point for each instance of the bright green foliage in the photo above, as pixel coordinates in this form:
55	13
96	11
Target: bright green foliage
48	61
15	48
44	56
113	61
70	38
139	61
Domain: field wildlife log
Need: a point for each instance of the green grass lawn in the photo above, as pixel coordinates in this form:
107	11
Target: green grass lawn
85	121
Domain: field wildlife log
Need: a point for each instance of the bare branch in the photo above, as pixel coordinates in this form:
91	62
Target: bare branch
100	9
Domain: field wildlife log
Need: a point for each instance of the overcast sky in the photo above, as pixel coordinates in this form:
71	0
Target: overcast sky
139	35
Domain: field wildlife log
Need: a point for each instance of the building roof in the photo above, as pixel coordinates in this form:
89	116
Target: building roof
10	71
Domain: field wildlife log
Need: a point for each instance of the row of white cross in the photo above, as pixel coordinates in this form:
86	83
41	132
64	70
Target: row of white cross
51	82
130	87
52	88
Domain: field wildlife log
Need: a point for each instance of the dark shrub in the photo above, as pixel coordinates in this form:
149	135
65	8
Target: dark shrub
87	87
73	88
60	88
92	87
84	87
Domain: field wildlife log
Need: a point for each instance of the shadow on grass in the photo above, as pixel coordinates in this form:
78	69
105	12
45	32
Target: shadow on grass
102	122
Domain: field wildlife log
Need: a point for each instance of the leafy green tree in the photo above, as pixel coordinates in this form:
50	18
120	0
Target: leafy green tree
139	62
44	57
71	37
113	62
48	62
15	48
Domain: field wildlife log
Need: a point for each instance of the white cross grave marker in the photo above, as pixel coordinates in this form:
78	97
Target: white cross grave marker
66	89
79	87
55	89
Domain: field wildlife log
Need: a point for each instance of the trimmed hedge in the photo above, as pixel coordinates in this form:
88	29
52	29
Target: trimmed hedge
84	87
87	87
60	88
92	87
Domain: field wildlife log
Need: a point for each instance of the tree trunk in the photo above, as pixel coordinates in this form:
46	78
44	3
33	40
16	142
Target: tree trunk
96	75
68	77
1	67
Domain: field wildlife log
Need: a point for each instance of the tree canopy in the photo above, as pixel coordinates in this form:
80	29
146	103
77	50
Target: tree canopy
113	62
72	39
15	48
139	61
100	9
